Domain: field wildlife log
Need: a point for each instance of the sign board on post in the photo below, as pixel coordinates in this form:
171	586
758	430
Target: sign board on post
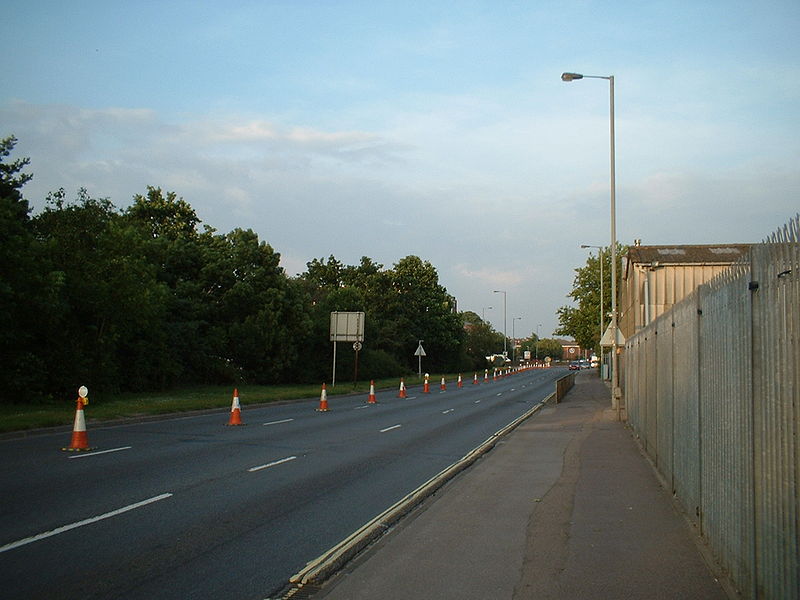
346	327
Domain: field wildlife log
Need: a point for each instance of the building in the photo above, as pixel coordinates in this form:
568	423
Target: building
656	277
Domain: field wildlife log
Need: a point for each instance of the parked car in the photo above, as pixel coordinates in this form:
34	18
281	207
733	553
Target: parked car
574	365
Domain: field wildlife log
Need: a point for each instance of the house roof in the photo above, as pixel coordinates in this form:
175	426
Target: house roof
688	254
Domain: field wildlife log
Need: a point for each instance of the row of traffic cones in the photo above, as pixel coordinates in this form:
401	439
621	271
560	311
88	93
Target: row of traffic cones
80	440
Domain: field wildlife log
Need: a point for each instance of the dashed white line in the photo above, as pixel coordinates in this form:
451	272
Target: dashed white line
477	401
361	407
449	410
100	452
279	422
272	464
390	428
58	530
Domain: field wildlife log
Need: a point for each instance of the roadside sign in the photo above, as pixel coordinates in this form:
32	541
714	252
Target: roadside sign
357	346
420	351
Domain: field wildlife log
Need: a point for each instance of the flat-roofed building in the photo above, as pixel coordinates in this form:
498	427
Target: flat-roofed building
656	277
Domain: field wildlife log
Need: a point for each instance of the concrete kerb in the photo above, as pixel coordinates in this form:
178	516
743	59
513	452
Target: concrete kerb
331	561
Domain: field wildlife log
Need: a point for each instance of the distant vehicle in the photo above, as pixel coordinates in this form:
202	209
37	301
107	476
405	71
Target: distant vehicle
574	365
585	364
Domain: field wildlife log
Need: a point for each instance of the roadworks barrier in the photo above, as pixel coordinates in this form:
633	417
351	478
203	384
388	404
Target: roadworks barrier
316	572
80	439
236	410
323	399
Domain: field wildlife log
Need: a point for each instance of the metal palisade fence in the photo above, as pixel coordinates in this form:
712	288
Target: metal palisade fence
713	393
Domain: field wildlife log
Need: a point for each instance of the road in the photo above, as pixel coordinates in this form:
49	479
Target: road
188	508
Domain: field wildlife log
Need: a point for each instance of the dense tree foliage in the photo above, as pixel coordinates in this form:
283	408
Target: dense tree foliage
582	322
143	299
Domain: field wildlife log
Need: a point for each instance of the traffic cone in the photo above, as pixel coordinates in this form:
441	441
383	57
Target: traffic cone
460	383
79	441
371	399
323	400
402	393
486	376
475	379
426	388
236	410
443	385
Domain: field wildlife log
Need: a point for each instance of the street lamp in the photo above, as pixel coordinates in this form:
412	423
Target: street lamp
505	347
514	339
483	312
615	391
537	340
600	258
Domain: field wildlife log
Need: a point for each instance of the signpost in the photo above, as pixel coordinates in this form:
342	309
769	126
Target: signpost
346	327
419	354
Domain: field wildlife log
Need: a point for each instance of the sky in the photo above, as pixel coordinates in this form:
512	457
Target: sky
439	129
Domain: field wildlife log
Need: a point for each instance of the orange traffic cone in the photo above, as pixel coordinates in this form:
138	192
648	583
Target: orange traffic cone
443	385
426	388
236	410
486	376
323	400
460	383
79	441
371	399
475	379
402	393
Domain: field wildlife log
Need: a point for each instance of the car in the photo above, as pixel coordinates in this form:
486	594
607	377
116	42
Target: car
574	366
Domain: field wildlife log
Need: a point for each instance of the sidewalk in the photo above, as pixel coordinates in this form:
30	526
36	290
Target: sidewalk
565	507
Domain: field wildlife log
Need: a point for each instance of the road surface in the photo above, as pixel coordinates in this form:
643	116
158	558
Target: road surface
189	508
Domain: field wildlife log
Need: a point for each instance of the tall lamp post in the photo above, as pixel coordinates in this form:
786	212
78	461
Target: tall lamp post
483	312
505	337
514	339
615	391
599	258
537	340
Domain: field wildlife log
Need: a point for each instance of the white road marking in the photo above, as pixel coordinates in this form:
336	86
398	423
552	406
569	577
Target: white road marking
477	401
500	394
101	452
272	464
449	410
360	407
390	428
279	422
58	530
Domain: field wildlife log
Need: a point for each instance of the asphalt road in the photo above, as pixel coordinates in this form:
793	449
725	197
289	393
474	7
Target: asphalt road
188	508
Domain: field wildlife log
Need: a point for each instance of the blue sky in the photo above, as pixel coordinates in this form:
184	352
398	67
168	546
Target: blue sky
440	129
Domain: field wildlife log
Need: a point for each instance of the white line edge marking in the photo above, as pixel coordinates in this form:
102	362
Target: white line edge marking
101	452
390	428
272	464
65	528
279	422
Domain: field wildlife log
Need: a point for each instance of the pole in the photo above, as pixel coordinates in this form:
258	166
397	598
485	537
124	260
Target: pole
615	391
333	376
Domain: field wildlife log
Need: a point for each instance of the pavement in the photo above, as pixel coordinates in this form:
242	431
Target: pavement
565	507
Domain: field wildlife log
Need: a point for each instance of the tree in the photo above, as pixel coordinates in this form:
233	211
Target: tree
582	322
24	286
481	340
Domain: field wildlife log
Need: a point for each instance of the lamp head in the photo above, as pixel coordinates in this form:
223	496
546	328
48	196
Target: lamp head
570	76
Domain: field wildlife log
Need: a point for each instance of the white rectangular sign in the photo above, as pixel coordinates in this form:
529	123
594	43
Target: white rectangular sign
347	326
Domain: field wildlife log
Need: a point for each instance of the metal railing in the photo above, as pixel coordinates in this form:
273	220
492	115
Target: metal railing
713	393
